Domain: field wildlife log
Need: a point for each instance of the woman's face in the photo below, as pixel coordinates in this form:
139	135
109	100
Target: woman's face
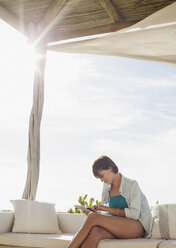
106	176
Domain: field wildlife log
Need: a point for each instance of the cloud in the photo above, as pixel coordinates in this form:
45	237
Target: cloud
150	159
162	145
121	103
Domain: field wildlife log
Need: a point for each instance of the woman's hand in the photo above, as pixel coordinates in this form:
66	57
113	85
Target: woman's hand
86	213
100	208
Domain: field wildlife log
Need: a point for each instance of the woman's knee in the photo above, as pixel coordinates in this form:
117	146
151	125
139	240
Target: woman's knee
96	233
91	217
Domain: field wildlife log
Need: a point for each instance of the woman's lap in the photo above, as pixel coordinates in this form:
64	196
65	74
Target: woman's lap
118	226
98	227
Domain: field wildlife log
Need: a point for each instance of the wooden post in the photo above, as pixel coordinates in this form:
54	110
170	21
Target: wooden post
33	156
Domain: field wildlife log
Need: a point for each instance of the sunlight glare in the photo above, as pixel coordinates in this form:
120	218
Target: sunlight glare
17	47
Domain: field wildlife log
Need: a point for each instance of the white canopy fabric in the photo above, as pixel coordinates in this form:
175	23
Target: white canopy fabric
33	158
153	39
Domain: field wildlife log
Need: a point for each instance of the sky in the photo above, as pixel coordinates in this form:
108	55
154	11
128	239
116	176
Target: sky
94	105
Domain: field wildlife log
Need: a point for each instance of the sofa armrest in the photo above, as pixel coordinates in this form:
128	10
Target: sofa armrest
6	221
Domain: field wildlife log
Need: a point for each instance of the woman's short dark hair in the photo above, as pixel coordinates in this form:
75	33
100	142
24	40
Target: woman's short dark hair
103	163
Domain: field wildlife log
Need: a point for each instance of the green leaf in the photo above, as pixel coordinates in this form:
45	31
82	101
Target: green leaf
88	203
85	197
71	211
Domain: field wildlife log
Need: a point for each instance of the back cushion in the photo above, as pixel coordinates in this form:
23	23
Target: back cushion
70	223
164	221
34	217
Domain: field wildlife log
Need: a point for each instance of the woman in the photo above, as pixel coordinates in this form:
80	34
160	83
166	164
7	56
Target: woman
128	215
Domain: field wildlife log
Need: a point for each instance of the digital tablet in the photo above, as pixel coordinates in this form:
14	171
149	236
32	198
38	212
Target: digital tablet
83	208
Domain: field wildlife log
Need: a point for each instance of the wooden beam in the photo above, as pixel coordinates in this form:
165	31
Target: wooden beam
52	12
111	10
70	34
10	18
49	19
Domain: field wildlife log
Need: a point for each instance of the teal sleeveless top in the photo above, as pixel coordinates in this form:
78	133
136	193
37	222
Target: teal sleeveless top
118	201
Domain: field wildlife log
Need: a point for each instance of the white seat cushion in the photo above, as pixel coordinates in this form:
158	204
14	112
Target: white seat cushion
62	240
129	243
36	240
168	244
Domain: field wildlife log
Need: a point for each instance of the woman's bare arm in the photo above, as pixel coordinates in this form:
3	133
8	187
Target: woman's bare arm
116	211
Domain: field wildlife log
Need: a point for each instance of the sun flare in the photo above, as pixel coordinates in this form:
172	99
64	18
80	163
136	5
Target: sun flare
15	46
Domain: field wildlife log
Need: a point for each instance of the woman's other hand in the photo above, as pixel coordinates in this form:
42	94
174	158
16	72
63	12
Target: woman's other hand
85	212
100	208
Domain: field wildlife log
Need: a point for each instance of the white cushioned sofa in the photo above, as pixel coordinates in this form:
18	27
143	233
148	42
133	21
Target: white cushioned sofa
69	224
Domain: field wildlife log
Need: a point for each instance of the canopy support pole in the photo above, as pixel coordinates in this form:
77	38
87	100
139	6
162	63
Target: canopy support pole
33	156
